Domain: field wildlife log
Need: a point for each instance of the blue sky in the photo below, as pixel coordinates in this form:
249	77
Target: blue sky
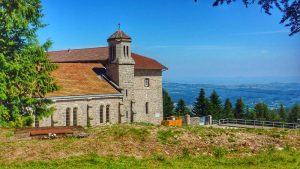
197	42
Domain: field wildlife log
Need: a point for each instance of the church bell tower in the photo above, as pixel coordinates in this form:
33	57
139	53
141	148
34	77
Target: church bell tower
120	69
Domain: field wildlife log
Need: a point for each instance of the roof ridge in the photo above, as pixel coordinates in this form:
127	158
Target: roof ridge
79	49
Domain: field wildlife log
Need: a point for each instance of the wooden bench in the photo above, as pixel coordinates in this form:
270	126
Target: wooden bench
39	132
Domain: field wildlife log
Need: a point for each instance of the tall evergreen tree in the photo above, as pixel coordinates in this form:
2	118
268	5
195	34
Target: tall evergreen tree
168	106
181	108
200	106
262	111
215	105
282	113
24	66
228	113
239	108
294	113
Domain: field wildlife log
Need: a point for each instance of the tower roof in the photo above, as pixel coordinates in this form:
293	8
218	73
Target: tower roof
119	35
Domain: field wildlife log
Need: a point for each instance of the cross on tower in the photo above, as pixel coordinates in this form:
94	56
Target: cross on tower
119	26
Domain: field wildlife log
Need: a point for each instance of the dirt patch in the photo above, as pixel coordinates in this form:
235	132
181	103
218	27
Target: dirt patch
143	141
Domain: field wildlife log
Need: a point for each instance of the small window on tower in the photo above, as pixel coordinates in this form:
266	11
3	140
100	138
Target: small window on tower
127	50
124	49
147	82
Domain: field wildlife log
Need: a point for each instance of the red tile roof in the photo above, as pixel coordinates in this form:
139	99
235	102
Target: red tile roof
119	35
76	79
99	54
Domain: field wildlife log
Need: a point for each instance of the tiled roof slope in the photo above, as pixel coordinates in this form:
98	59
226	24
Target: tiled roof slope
99	54
77	79
119	35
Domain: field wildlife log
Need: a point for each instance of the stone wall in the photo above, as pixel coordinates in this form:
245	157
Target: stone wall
59	117
151	94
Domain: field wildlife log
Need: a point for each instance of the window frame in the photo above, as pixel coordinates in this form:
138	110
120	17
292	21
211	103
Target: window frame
147	82
101	120
147	107
107	111
68	112
75	116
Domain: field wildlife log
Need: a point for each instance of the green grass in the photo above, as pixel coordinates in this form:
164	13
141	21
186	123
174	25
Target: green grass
168	136
120	131
272	159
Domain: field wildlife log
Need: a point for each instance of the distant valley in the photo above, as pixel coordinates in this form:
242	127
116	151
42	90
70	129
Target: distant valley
272	94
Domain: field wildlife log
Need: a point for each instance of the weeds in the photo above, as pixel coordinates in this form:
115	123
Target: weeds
219	152
168	136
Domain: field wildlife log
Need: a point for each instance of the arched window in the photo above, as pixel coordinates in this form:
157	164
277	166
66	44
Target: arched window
68	116
75	116
101	113
147	107
127	50
36	121
124	50
107	114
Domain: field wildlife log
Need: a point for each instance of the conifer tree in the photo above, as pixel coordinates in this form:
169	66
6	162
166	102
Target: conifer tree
200	106
215	105
262	111
239	108
181	108
24	66
228	112
168	105
282	113
294	113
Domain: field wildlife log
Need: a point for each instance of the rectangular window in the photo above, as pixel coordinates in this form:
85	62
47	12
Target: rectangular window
101	114
36	121
147	107
107	114
75	116
147	82
68	116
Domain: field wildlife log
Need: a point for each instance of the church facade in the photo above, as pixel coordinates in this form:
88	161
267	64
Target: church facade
105	85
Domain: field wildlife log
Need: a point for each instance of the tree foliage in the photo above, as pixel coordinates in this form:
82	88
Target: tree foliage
294	114
228	112
290	10
181	108
168	105
239	108
215	106
25	69
201	104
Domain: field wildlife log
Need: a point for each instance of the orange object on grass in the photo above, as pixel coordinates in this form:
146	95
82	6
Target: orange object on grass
172	121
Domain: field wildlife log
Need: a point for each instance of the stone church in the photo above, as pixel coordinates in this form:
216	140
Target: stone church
105	85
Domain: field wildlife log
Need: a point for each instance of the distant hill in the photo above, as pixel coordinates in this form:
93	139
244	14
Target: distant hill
273	93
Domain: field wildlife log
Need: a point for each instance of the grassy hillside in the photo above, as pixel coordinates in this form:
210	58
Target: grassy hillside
148	146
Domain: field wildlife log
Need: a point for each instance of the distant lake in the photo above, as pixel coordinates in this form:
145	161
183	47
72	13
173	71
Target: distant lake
272	94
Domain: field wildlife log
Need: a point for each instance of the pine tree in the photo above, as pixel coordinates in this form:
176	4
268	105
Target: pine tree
200	106
181	108
215	105
294	114
228	113
262	111
239	108
168	105
282	113
24	66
